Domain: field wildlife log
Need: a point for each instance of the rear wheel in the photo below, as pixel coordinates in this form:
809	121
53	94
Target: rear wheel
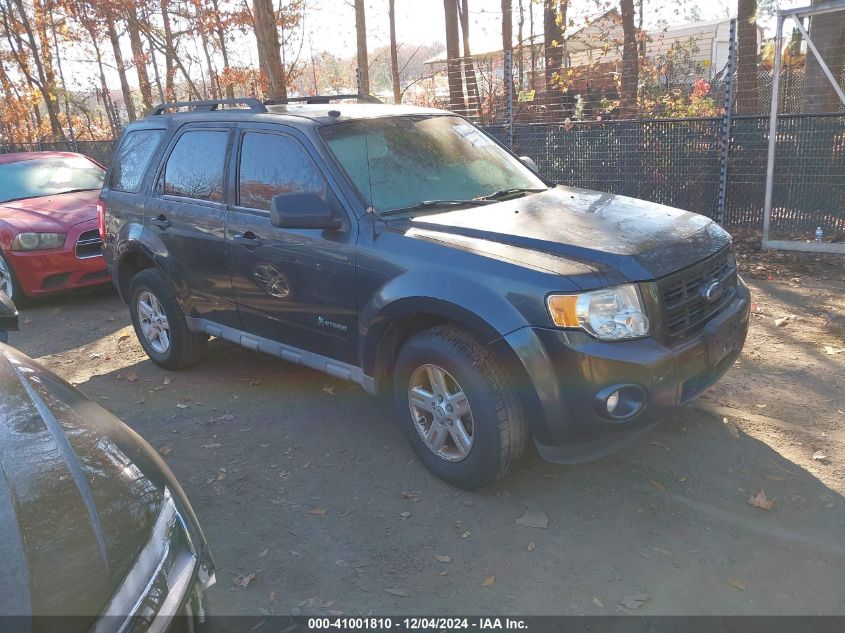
459	408
160	323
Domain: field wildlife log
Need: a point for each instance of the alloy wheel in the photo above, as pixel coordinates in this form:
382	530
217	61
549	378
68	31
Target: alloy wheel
6	278
441	412
153	320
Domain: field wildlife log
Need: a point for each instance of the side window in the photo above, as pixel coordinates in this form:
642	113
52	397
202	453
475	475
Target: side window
272	164
131	159
195	166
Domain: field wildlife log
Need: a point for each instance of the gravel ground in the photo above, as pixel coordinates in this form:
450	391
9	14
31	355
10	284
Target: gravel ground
313	502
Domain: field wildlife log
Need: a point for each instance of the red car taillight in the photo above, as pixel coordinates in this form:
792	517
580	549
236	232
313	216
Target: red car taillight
101	219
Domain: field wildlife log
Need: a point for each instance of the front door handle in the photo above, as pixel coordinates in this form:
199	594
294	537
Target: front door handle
247	239
161	222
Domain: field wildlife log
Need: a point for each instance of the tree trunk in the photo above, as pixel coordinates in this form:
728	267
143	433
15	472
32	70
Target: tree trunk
267	37
469	64
121	69
746	84
218	25
139	59
630	61
827	31
65	92
520	60
394	54
453	54
169	54
43	85
363	61
553	48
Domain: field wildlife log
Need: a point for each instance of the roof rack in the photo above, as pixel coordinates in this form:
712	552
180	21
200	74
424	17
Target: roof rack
210	105
323	99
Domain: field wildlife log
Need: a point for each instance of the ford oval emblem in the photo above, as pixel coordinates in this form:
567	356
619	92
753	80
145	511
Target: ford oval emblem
714	291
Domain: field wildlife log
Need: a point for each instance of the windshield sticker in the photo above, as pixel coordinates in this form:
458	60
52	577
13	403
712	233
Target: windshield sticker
472	135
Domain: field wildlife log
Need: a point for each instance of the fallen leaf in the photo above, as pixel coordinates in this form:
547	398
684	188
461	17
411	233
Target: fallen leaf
131	376
634	601
443	559
167	380
820	456
221	474
831	351
122	337
782	321
179	405
165	451
658	486
405	515
737	583
488	580
759	500
243	581
317	512
395	591
531	546
465	534
533	517
411	496
263	553
598	603
271	597
328	390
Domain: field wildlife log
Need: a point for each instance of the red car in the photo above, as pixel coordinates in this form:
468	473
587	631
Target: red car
49	236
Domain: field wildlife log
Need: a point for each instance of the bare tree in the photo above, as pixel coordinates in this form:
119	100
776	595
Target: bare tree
269	55
554	21
630	61
218	28
453	54
139	59
827	31
394	53
363	61
746	85
121	68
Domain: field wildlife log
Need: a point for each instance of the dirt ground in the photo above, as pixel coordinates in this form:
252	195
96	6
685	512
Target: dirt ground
314	503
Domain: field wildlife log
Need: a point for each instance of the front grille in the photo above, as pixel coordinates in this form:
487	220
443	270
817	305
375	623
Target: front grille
89	244
685	306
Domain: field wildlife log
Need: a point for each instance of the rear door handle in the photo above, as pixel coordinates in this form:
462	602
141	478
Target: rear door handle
247	239
161	222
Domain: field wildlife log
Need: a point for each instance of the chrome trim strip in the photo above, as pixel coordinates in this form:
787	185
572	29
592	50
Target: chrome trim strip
330	366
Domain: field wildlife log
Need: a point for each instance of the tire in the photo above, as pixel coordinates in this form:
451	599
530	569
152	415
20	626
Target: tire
183	347
9	282
495	423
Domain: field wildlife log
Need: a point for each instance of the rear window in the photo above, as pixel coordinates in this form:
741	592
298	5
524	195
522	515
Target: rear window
131	159
195	166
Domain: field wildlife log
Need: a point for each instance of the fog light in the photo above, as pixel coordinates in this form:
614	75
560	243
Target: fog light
612	401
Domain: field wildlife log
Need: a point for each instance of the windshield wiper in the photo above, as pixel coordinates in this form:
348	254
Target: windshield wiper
425	204
504	193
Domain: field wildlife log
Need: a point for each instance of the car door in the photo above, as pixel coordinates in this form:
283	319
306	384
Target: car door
294	286
185	214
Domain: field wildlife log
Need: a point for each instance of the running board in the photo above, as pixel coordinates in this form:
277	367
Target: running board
294	355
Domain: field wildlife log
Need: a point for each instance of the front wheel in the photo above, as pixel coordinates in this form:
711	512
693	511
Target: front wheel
459	408
160	323
8	282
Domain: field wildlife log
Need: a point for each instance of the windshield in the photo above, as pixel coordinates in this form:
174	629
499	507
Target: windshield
399	162
48	176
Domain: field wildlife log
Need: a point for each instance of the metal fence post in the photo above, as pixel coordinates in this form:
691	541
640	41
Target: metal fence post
508	78
773	130
726	125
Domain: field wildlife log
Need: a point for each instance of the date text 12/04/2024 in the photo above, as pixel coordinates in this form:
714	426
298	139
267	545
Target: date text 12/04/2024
417	624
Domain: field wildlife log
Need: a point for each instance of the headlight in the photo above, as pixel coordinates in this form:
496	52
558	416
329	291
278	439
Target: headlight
37	241
609	314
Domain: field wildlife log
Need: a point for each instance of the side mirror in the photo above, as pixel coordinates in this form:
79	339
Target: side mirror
529	162
8	316
302	211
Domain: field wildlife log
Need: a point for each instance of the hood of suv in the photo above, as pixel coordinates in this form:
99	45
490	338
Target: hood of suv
579	233
79	494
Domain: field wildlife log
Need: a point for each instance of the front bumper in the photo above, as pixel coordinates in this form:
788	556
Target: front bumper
566	369
45	272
